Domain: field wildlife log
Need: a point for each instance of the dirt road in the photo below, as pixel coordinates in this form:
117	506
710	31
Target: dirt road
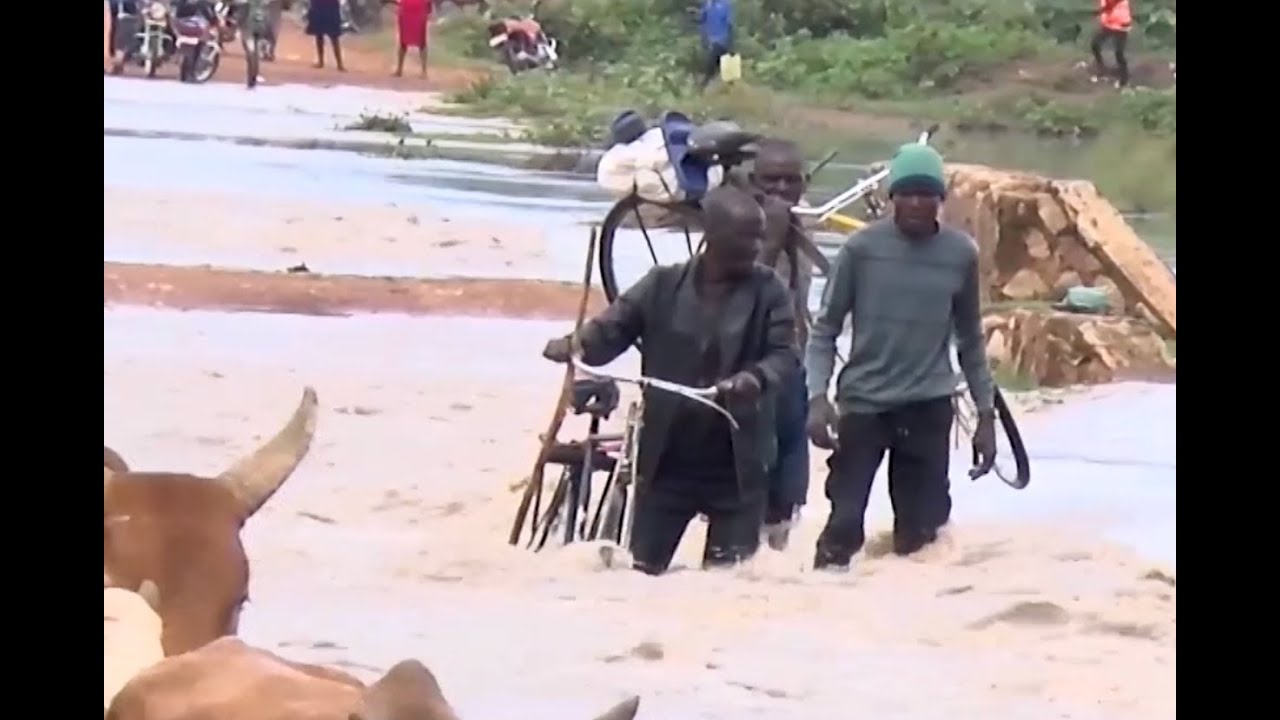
367	64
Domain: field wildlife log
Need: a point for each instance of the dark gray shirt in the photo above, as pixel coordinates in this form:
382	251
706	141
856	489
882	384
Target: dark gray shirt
906	298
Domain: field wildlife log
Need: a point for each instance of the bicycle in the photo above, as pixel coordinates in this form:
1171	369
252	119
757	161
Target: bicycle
569	508
719	146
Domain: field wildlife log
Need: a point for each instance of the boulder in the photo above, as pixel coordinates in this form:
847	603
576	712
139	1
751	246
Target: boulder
1056	349
1037	236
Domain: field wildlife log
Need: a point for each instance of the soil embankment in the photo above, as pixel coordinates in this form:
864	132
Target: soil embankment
305	293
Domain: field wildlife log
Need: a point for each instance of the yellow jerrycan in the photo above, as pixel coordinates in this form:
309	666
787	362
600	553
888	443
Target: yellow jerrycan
730	67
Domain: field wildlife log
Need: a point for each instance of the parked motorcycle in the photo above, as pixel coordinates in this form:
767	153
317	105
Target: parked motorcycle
522	44
226	21
151	45
200	48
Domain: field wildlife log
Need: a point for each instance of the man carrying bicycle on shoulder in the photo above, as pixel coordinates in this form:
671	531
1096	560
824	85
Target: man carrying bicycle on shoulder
718	319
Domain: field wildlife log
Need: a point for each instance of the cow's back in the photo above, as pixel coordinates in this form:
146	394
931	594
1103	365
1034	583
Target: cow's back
228	679
130	639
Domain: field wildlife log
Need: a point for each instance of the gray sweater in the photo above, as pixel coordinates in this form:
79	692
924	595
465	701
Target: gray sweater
906	298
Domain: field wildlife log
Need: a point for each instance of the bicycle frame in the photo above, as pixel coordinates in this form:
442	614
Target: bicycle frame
701	396
855	193
612	518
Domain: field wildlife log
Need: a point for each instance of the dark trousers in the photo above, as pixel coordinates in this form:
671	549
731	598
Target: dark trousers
663	511
113	30
789	478
712	67
1119	39
917	437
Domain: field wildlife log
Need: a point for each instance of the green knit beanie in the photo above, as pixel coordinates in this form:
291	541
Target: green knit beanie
917	168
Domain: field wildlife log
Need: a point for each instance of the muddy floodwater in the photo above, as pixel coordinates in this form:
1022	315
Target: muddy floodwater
389	541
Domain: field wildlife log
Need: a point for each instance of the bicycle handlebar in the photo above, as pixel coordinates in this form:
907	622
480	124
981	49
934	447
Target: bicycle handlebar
700	395
864	186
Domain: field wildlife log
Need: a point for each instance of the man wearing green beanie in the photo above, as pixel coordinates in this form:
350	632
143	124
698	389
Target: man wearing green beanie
909	284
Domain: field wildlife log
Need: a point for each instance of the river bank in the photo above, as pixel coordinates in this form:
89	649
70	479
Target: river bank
1008	88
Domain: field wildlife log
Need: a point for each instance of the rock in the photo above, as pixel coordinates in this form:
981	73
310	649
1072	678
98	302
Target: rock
1131	263
1114	296
1055	229
1065	282
1056	349
1038	247
1025	285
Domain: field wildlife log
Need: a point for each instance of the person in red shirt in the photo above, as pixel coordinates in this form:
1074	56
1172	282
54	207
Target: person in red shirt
1114	20
412	20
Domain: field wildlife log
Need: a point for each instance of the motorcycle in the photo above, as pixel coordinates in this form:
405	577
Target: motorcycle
153	42
227	26
522	44
200	48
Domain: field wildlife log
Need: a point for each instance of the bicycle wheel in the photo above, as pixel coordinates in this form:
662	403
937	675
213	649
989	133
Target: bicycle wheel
622	262
613	515
966	415
638	234
557	508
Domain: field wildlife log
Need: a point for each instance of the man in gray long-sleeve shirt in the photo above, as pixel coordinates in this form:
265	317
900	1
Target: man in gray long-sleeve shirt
908	283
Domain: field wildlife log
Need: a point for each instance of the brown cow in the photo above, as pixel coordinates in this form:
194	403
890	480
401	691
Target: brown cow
228	679
182	532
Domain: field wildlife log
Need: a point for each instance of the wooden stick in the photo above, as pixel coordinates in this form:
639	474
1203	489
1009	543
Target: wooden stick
562	404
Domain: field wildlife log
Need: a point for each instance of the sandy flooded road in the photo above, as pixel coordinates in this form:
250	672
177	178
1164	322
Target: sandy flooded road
390	542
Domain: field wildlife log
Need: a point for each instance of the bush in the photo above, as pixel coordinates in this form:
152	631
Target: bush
646	54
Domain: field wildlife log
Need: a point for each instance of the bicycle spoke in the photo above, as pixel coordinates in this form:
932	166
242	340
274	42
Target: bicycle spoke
644	231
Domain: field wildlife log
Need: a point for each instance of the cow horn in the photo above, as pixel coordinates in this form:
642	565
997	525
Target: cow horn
150	592
112	459
625	710
255	478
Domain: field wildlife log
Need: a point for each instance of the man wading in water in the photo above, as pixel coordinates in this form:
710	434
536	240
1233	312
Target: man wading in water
718	319
908	283
779	177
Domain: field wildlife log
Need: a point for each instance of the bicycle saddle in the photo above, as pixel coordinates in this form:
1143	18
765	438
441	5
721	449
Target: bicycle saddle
721	137
595	396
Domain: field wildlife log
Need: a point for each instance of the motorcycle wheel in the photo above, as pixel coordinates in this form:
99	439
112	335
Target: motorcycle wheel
151	56
509	59
205	64
187	68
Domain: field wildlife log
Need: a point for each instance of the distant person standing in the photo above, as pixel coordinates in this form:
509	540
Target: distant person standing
715	23
1114	21
412	20
324	20
114	40
275	13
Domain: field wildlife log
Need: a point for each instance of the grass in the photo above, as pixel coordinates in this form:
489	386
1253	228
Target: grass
1014	381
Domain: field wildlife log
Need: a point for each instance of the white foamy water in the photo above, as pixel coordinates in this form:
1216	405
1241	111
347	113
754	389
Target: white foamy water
389	542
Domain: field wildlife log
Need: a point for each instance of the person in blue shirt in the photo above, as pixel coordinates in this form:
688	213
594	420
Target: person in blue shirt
715	23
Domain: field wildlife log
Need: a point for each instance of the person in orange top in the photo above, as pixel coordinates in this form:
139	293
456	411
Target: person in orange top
1114	20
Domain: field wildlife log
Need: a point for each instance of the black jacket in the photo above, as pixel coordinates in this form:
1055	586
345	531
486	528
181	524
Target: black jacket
757	332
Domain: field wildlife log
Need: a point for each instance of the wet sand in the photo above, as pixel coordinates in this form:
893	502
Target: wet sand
390	542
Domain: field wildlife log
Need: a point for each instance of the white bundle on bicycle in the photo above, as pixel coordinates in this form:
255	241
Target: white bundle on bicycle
644	167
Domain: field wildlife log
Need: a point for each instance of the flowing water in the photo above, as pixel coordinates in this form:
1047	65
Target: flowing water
389	540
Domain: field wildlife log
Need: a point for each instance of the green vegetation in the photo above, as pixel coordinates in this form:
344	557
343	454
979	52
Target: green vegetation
833	72
394	123
1014	381
986	63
